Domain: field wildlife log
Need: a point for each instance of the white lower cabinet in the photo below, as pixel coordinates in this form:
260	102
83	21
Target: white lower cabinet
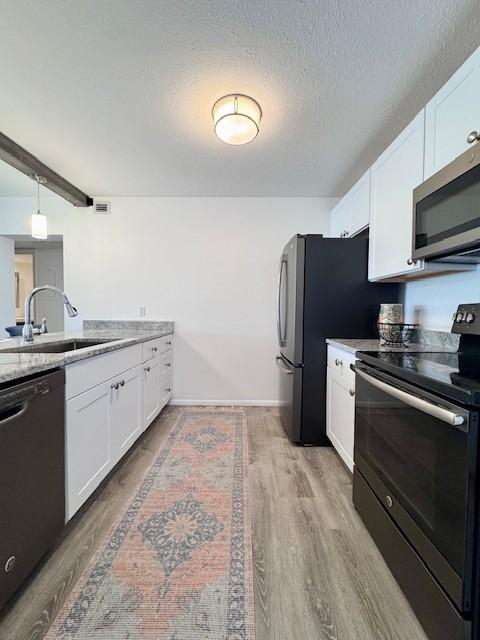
103	422
88	450
157	385
151	390
341	410
126	412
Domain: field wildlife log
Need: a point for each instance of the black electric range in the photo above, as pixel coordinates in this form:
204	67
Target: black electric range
416	482
452	375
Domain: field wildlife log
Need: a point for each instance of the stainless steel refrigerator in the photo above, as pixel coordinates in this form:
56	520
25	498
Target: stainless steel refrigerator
323	292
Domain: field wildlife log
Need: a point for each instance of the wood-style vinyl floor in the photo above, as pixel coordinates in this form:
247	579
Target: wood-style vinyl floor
317	573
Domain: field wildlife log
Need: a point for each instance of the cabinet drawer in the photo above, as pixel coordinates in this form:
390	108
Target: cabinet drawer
340	361
88	373
152	348
166	388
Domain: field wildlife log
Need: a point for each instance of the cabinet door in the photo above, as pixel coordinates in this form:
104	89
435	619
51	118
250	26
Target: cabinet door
393	177
88	455
339	219
166	378
359	205
152	378
341	415
126	411
451	115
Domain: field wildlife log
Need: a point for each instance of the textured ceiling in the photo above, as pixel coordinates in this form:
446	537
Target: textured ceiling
116	95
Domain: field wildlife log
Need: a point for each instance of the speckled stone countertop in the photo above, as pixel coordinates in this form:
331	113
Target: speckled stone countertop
120	334
353	345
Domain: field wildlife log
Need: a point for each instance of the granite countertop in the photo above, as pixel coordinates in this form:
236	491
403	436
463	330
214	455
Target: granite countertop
353	345
120	334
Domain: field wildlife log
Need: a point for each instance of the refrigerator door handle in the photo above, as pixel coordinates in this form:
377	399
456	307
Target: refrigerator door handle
282	367
280	329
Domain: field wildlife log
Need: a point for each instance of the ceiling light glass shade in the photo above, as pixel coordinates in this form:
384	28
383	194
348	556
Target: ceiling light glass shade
236	118
39	226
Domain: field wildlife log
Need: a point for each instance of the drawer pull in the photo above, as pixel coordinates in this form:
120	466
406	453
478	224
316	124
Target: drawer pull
154	349
168	364
352	392
169	343
167	389
338	362
122	383
147	369
114	385
388	501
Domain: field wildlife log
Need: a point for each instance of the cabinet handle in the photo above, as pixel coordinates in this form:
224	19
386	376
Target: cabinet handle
338	362
122	383
472	136
114	385
154	348
168	364
147	369
169	344
411	261
167	389
352	392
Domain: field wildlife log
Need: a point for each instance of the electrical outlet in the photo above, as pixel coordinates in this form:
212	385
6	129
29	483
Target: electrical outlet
143	312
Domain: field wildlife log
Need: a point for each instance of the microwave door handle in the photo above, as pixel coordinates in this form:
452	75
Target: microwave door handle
434	410
280	329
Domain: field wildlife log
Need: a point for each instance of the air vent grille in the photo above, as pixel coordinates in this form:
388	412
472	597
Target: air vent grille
102	207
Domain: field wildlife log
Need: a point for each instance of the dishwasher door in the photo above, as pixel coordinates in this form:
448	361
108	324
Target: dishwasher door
32	475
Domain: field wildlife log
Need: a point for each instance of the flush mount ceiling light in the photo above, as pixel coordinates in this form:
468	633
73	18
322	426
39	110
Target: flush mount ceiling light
39	221
236	118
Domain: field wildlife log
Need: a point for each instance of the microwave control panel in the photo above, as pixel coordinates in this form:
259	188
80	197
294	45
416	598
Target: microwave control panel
466	319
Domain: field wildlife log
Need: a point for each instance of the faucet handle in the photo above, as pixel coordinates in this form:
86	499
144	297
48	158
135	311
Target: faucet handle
43	328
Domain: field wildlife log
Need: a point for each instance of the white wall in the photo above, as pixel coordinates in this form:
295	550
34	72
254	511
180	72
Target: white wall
49	270
431	302
209	264
7	285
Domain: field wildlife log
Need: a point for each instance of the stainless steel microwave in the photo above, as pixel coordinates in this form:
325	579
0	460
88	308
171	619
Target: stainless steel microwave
446	212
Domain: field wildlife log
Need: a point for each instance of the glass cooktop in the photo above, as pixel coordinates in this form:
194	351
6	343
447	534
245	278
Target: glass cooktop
456	375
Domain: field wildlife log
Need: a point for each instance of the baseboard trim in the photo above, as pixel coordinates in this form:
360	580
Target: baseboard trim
182	402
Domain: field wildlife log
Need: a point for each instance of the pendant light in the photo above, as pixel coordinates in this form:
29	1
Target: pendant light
236	118
39	221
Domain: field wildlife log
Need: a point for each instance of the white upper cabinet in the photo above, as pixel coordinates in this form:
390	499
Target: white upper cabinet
352	213
339	219
451	115
393	177
359	205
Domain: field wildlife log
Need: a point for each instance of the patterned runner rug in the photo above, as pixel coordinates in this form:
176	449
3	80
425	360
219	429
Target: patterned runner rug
177	565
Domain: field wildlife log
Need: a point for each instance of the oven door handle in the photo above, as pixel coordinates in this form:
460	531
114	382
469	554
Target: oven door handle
434	410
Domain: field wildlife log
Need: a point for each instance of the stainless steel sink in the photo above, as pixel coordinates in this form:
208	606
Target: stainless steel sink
56	347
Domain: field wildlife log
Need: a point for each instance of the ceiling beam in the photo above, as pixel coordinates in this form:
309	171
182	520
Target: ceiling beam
16	156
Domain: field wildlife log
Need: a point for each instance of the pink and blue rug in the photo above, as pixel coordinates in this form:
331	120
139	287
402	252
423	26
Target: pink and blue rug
177	564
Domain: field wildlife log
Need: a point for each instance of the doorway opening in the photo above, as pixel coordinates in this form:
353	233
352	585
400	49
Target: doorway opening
31	263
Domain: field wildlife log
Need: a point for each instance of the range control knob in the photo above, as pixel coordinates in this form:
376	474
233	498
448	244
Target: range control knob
459	317
470	317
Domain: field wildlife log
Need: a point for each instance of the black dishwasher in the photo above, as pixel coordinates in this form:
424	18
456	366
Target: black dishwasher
32	475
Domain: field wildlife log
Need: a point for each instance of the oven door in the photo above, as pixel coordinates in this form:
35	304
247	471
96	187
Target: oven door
418	454
446	213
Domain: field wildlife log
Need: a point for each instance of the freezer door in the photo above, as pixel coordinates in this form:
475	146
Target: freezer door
290	300
290	382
